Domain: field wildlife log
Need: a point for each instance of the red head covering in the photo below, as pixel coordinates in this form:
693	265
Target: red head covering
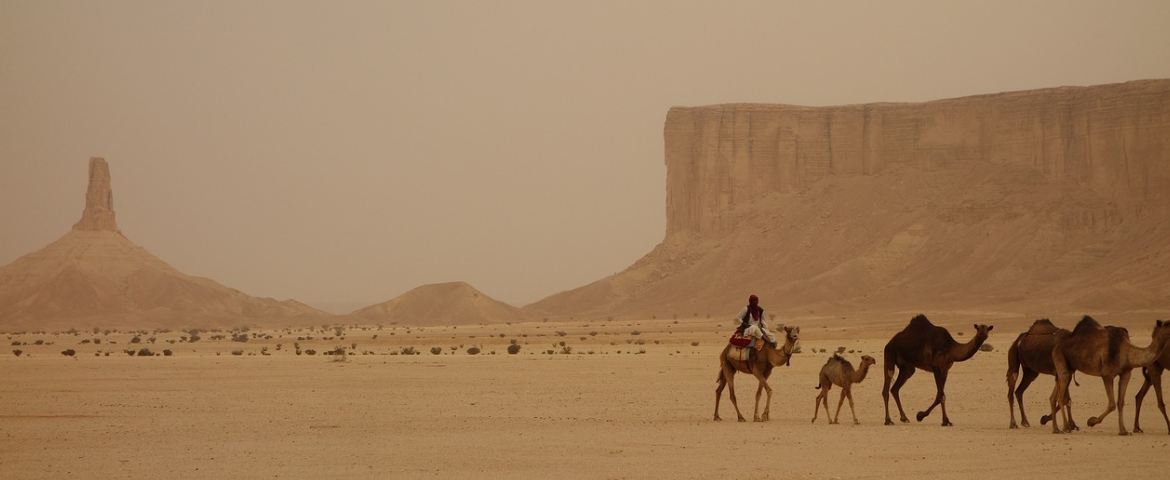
754	307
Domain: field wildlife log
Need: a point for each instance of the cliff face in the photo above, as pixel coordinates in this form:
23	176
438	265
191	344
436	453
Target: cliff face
1113	139
1039	202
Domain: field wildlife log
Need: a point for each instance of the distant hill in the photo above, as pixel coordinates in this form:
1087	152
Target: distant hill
95	276
1038	202
454	303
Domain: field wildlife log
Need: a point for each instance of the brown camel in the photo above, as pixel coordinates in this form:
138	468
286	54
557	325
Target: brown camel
760	365
1032	353
923	345
838	371
1153	376
1102	351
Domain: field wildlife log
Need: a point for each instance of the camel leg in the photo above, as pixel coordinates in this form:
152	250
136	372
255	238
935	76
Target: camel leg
767	404
1122	383
1066	411
840	402
1153	378
1025	382
822	397
1156	379
851	409
1093	421
729	377
904	373
1059	391
940	398
722	381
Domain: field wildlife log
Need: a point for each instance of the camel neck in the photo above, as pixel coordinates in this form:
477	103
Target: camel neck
964	351
860	373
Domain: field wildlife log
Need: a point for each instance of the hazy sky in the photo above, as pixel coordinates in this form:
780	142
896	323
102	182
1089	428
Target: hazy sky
345	152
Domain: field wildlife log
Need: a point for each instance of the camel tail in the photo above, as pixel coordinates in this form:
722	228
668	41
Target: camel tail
1074	375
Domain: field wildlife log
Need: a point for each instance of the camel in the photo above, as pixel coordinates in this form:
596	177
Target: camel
1153	376
838	371
922	345
759	365
1032	353
1102	351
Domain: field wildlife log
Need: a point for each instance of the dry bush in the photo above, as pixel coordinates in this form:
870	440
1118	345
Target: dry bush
473	351
237	352
17	352
513	348
68	353
436	350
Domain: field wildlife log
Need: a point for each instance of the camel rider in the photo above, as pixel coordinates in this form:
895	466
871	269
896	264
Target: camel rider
751	321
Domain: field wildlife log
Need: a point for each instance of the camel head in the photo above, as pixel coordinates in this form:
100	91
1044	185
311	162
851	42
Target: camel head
783	354
981	331
867	360
1161	332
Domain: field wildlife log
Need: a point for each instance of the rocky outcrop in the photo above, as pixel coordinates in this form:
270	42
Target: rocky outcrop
99	199
95	276
454	303
1040	201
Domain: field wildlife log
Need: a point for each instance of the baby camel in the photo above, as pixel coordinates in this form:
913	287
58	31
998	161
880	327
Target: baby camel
838	371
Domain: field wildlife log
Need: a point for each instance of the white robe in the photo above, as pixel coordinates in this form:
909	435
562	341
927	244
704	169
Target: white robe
755	328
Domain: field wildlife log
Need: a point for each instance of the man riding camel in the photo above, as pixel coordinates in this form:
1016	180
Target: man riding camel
751	321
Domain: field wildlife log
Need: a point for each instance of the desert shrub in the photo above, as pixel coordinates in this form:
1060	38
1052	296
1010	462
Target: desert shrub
694	344
310	352
565	350
68	353
136	339
436	350
514	348
242	338
473	351
409	351
167	353
129	352
16	343
561	333
39	342
986	347
97	341
145	353
639	342
83	342
840	350
17	352
237	352
635	332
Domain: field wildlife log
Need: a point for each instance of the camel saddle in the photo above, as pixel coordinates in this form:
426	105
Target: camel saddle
742	347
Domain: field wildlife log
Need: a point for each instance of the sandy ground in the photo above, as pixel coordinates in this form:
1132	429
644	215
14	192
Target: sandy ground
591	413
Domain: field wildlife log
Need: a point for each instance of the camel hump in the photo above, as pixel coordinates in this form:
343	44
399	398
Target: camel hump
837	358
1086	324
920	321
1117	335
1042	326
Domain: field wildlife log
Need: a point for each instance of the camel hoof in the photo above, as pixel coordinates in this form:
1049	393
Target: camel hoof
1138	430
717	419
855	422
948	424
1013	426
889	422
921	415
741	419
1123	433
1093	421
1028	425
1044	420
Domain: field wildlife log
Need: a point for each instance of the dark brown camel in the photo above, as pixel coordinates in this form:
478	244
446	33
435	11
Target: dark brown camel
760	365
928	347
838	371
1032	353
1153	377
1102	351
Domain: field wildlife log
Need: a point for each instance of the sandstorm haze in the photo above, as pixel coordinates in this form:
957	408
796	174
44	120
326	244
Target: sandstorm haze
342	154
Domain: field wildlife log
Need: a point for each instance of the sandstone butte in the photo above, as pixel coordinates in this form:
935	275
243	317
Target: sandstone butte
1037	202
95	276
1042	203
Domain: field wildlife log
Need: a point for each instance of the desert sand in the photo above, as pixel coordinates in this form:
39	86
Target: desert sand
614	404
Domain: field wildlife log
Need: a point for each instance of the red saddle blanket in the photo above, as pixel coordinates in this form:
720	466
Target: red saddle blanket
738	340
